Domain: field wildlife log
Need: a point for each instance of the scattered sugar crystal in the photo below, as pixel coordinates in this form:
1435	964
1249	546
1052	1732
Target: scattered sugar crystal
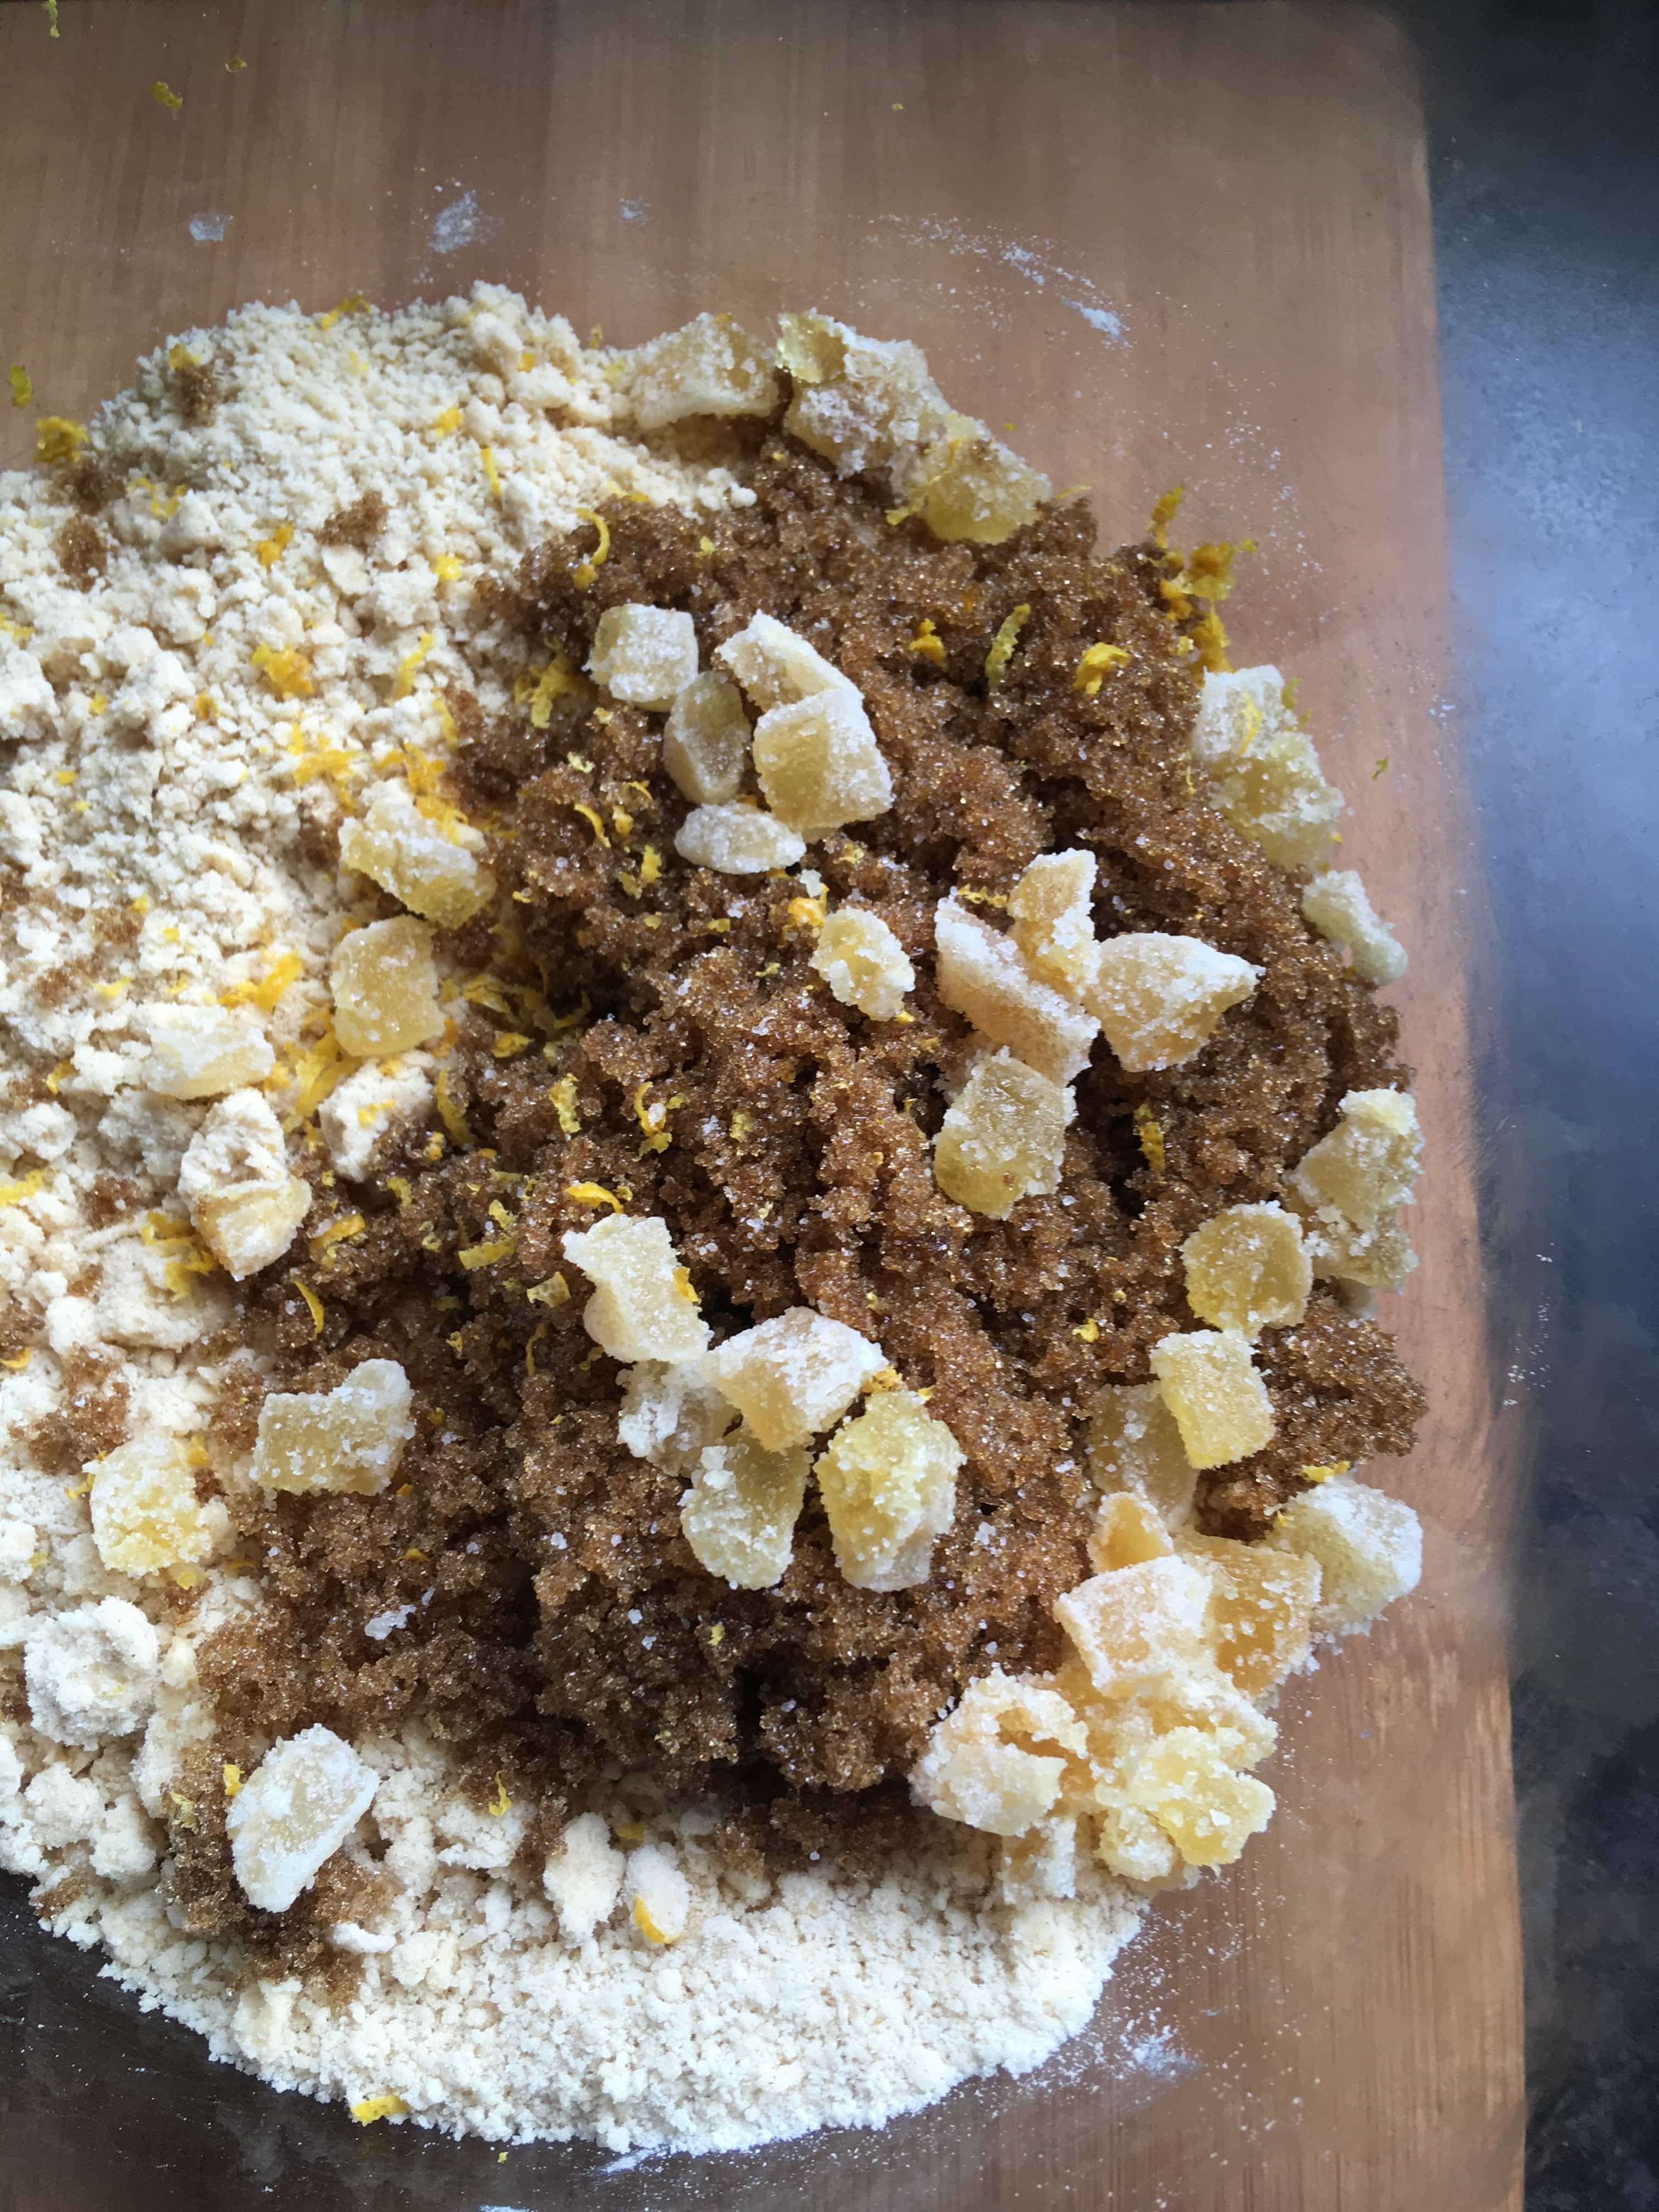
235	1179
862	403
384	983
1052	920
293	1812
1367	1546
708	367
985	976
792	1376
1134	1444
979	1767
1220	1403
1003	1136
1209	1812
583	1876
643	1306
738	841
196	1052
659	1893
1368	1164
1263	772
349	1438
1128	1532
1262	1612
740	1515
643	655
394	845
1139	1628
1336	904
145	1515
818	764
863	962
705	740
889	1483
1246	1270
776	665
90	1673
1158	997
671	1412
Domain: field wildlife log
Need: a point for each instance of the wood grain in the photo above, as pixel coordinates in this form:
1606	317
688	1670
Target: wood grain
1167	244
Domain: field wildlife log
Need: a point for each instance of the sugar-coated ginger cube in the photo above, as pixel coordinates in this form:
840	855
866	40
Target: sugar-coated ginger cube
740	1515
862	403
234	1179
705	740
1002	1137
1246	1270
347	1439
1264	773
998	1760
384	983
1209	1812
1380	1257
645	656
145	1515
660	1894
1138	1629
818	764
968	486
1367	1546
985	977
1130	1844
1158	996
1366	1166
669	1412
794	1376
708	367
643	1306
1052	906
1262	1610
358	1113
1336	904
1135	1445
583	1876
863	962
198	1052
1128	1532
293	1812
1220	1403
738	841
432	874
776	665
889	1483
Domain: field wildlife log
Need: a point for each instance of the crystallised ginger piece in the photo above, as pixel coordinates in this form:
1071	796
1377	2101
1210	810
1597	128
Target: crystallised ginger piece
1134	1445
985	976
792	1376
776	665
1261	1610
863	962
145	1514
1158	996
1002	1137
1209	1812
818	764
705	740
979	1767
293	1812
708	367
1246	1270
740	1515
671	1411
738	841
968	486
1380	1257
1128	1532
643	655
235	1179
1138	1629
862	403
643	1306
1366	1166
1053	920
1264	773
889	1483
1220	1403
1367	1546
394	845
348	1439
198	1052
1336	904
386	988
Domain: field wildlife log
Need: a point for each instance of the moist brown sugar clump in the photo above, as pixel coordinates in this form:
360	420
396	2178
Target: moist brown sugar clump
636	1033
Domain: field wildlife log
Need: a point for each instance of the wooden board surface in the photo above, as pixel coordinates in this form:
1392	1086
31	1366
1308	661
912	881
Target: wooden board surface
1166	243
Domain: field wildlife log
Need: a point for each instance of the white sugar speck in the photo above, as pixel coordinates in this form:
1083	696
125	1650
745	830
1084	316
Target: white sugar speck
207	229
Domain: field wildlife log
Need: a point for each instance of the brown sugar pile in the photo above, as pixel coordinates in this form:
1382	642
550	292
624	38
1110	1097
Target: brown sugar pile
647	1035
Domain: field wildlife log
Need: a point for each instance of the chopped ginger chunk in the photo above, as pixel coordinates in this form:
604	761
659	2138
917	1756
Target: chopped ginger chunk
740	1515
1208	1811
1126	1533
738	841
889	1480
792	1376
1246	1270
671	1411
645	656
1366	1167
349	1438
1002	1138
1158	997
234	1179
708	367
776	666
1134	1445
1261	1610
863	962
818	763
968	486
196	1052
1053	924
386	988
294	1811
1220	1403
985	977
643	1306
1138	1629
705	740
1336	904
397	846
145	1514
997	1761
1264	773
1367	1546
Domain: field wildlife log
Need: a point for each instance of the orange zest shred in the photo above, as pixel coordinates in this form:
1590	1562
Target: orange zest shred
367	2110
404	682
552	682
13	1194
451	1115
500	1802
584	571
1164	511
338	1232
490	470
283	970
1150	1133
350	306
271	550
555	1291
57	438
485	1254
22	385
561	1096
927	644
593	1194
1003	644
286	669
313	1302
1093	668
164	96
